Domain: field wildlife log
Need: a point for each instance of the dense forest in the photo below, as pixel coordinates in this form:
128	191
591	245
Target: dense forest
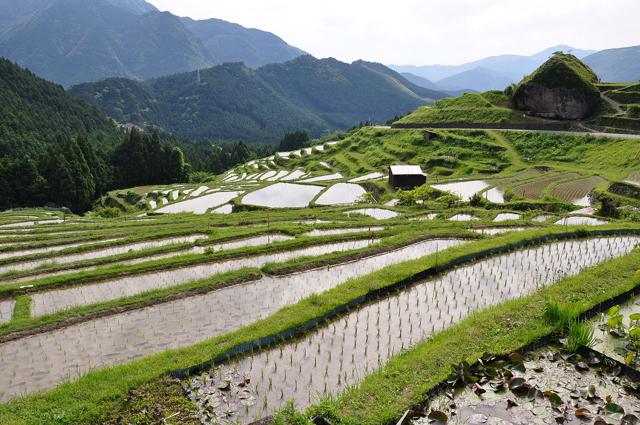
57	150
232	101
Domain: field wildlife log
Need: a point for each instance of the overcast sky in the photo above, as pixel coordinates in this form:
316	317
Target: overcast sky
421	32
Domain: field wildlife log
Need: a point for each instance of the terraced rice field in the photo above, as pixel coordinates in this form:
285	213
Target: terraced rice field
340	354
535	189
577	191
190	271
72	351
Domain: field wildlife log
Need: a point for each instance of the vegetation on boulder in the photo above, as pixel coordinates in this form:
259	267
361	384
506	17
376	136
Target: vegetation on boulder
563	88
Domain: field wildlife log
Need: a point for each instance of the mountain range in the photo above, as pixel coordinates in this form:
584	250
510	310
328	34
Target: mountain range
233	101
75	41
621	64
491	73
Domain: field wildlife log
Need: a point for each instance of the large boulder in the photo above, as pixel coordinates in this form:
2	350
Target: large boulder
562	88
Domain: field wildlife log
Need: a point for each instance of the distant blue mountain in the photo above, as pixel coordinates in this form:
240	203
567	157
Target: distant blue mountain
485	74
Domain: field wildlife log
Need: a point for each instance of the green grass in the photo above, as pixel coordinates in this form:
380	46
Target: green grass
579	334
22	309
95	396
615	159
453	153
492	107
426	115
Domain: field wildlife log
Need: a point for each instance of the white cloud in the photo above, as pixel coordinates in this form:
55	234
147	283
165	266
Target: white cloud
427	31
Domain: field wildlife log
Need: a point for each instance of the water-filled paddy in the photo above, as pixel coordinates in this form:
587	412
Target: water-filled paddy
370	176
580	221
6	311
222	246
329	232
464	217
326	177
507	217
341	194
43	361
283	195
377	213
342	353
57	300
199	205
464	190
106	252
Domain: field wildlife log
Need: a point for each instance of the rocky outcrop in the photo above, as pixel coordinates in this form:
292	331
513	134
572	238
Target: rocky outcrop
562	88
556	103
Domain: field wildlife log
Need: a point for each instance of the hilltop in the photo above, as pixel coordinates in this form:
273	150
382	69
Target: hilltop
563	88
232	101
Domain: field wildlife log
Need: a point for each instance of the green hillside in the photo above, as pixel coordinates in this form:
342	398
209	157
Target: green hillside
493	107
34	110
232	101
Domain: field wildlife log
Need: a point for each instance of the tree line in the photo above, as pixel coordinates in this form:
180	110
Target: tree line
73	174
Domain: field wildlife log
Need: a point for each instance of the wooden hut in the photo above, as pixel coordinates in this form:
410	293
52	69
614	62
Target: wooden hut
406	176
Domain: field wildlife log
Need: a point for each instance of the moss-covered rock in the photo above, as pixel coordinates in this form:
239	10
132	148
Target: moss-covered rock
562	88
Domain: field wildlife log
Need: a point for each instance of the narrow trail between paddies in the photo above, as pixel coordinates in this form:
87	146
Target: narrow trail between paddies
45	360
343	352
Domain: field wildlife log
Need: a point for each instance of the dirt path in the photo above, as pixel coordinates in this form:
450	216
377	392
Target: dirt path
615	105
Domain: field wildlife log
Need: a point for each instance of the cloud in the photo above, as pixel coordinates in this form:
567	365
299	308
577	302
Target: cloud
427	31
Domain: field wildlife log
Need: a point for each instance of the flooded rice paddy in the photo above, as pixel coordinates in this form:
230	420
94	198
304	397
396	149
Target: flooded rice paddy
464	190
62	299
21	253
6	310
581	221
377	213
330	232
507	217
31	223
232	244
370	176
327	177
494	195
199	205
342	353
283	195
581	394
43	361
341	194
492	231
464	217
106	252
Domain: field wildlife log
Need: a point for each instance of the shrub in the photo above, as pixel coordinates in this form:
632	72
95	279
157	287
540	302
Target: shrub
108	212
132	197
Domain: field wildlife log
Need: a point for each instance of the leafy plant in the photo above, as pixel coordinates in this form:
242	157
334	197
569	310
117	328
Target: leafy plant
580	334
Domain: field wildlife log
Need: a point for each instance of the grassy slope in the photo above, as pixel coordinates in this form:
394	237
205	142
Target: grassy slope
472	108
